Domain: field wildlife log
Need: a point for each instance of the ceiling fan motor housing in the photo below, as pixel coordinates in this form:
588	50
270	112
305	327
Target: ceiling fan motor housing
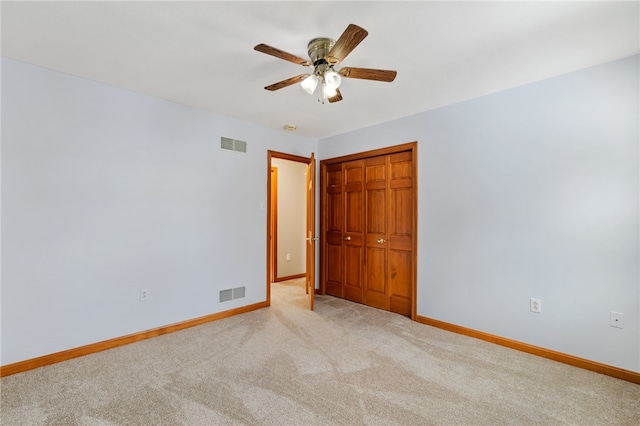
319	48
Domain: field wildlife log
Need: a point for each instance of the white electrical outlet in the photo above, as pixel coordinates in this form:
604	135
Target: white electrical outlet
617	319
144	294
535	305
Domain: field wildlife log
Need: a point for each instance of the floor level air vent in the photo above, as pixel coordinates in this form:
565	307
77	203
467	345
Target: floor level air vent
233	144
238	292
226	295
231	294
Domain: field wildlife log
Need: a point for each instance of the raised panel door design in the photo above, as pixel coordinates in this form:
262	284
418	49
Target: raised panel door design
353	272
353	173
334	177
376	207
376	170
400	218
333	272
400	275
376	282
402	209
401	233
370	223
353	213
375	288
334	212
353	229
334	220
401	166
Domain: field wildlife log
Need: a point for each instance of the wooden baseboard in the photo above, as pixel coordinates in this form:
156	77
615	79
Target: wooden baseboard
586	364
289	277
30	364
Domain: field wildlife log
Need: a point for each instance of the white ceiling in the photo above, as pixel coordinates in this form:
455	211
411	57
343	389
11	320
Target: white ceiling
201	53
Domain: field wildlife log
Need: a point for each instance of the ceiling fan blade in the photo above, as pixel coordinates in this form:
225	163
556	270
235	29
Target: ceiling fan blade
368	74
350	38
281	54
287	82
336	98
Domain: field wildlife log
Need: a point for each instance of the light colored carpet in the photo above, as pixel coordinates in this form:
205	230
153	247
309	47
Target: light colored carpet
343	364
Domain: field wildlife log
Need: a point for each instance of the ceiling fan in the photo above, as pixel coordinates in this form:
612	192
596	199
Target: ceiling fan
324	54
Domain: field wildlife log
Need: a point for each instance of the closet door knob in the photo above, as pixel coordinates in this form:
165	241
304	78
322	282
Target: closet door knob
381	241
347	238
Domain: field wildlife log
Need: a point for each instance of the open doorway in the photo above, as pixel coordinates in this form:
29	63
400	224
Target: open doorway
291	221
288	215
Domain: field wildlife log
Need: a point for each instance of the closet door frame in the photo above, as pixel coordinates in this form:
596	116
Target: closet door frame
413	148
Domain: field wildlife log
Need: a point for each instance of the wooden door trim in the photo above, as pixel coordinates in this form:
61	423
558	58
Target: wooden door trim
270	156
410	146
285	156
273	209
323	227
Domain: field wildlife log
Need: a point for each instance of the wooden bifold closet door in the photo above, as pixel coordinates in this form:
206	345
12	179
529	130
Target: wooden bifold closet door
368	225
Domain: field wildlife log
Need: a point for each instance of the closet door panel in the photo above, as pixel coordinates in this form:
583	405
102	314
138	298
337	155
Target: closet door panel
353	229
353	213
376	175
401	232
400	279
334	272
334	228
376	282
353	273
401	218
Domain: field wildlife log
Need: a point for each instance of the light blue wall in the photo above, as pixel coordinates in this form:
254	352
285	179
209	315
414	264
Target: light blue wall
531	192
105	192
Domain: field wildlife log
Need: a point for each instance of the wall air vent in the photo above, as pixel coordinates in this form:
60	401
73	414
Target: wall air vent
226	295
238	292
231	294
233	144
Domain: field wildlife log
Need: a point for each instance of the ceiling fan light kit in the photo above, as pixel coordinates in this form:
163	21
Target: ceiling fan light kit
310	83
328	92
324	54
331	79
